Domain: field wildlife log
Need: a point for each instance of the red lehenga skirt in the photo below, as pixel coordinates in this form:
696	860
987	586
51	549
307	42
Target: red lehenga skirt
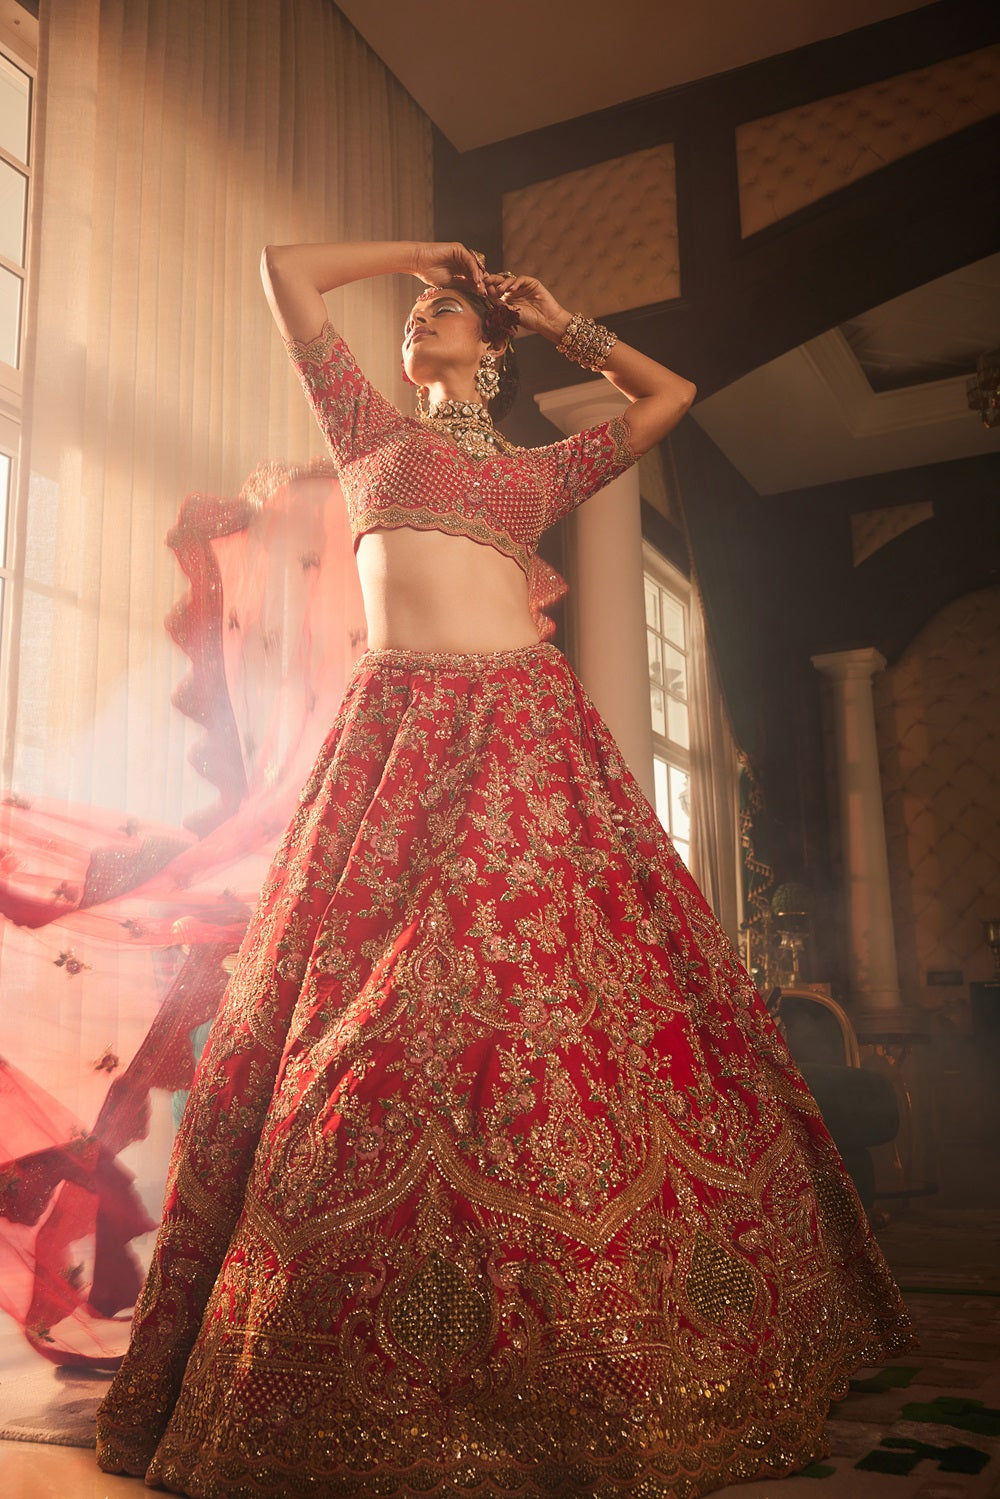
496	1177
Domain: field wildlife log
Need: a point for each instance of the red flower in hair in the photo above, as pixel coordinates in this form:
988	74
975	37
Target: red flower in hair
500	322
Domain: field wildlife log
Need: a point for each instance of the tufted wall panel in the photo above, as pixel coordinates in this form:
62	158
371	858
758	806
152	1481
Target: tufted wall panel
938	716
604	238
790	159
872	529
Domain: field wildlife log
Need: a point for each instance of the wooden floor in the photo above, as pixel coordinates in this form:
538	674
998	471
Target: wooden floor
31	1470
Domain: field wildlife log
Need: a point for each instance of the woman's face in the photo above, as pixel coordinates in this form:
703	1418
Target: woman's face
442	334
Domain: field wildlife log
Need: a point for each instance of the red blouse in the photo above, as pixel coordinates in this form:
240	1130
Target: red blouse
396	471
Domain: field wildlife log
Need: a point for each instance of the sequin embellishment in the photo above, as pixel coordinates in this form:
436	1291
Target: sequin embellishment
496	1177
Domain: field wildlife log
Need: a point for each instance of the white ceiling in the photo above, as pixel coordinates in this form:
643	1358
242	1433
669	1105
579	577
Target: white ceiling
813	417
490	72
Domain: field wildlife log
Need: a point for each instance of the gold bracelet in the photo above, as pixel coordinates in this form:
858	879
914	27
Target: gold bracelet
587	343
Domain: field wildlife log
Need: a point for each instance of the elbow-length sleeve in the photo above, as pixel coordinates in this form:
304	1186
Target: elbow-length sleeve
351	413
578	466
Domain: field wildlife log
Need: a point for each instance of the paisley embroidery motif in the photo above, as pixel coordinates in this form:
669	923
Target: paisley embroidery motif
496	1175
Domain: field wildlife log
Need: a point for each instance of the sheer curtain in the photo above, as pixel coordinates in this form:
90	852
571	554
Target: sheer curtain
177	137
715	849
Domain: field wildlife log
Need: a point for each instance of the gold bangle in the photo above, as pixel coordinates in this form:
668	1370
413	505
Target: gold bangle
587	343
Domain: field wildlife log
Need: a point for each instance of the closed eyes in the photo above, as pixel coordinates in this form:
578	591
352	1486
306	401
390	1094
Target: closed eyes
435	309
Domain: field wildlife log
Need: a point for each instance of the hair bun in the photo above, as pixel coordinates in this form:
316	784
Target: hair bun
500	322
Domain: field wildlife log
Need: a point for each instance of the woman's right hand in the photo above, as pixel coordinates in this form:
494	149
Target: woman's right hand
296	277
441	264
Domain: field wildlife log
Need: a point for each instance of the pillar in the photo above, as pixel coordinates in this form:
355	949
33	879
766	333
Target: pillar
874	979
610	609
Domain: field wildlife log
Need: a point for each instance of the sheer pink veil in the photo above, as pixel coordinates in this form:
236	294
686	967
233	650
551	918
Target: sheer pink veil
114	932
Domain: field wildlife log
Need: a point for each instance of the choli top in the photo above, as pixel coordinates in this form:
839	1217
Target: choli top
398	471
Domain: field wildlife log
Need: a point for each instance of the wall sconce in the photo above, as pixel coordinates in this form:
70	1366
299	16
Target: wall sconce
983	390
991	931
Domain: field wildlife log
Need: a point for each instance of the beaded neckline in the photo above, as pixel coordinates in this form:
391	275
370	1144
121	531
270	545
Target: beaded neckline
469	425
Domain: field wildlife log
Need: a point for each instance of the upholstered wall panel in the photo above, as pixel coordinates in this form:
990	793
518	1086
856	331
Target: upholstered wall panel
788	160
604	238
938	717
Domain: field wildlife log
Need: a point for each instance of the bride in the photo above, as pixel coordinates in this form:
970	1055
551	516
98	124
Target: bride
496	1177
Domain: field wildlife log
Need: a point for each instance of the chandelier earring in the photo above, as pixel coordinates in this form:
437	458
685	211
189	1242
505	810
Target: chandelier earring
423	405
487	377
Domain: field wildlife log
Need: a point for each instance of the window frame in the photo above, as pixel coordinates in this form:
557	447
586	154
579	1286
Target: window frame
17	51
664	574
19	46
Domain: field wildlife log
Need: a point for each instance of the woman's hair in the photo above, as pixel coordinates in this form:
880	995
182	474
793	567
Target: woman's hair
510	381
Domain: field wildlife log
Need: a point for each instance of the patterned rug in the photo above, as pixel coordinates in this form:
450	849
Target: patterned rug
928	1428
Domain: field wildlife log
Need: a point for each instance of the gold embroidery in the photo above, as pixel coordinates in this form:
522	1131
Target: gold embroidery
496	1176
453	523
718	1284
317	350
621	435
400	471
439	1317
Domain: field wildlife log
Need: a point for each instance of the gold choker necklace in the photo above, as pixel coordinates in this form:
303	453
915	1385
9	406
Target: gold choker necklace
470	426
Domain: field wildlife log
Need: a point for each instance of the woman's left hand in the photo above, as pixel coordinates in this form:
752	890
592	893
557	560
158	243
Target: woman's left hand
539	311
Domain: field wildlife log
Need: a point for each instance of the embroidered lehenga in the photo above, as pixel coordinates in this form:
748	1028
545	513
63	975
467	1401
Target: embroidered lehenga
496	1177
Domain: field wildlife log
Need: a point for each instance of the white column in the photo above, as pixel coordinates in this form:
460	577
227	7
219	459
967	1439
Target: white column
610	611
874	979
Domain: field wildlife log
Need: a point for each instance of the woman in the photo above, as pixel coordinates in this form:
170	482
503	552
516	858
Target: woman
496	1177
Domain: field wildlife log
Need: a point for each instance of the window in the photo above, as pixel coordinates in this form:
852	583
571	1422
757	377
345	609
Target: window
15	139
6	469
18	49
667	597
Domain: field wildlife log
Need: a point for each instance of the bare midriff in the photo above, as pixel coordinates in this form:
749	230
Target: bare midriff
429	591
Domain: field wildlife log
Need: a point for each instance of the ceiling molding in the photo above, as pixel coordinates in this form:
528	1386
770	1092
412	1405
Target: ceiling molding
810	417
869	413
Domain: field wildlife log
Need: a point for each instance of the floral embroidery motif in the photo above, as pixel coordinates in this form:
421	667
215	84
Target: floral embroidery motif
496	1176
397	471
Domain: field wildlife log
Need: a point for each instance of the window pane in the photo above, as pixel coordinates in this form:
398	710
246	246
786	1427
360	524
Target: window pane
680	803
652	604
661	791
684	849
658	711
10	316
677	723
674	672
4	505
673	618
657	703
654	655
13	208
15	105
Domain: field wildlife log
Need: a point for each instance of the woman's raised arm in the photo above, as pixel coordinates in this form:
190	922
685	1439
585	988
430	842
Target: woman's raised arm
659	397
295	277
